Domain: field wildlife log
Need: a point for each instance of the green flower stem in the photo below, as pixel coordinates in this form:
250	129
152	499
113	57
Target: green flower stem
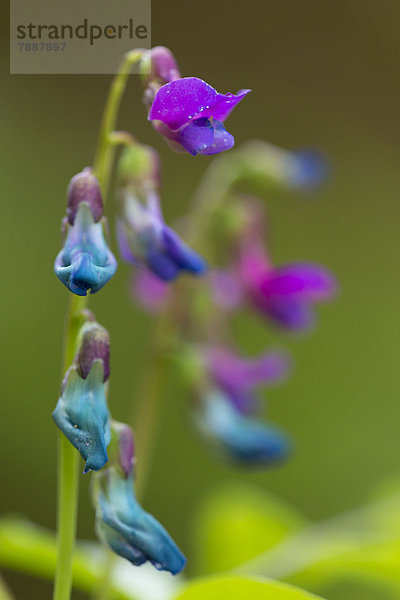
104	153
68	468
68	457
148	414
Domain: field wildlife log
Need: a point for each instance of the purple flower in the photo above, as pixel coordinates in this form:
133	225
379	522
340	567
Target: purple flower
145	239
190	113
285	294
237	377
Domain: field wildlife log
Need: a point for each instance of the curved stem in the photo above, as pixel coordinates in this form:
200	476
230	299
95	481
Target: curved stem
104	152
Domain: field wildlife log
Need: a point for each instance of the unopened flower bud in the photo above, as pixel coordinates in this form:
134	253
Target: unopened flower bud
121	523
82	414
163	64
84	187
85	262
122	447
94	344
139	166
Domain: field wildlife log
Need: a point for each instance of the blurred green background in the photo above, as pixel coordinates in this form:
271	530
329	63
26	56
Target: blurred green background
323	74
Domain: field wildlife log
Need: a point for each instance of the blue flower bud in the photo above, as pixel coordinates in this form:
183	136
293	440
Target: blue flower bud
85	262
121	523
238	437
82	414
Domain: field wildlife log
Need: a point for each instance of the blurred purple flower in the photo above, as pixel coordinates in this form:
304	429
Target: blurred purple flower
237	377
190	113
285	294
144	238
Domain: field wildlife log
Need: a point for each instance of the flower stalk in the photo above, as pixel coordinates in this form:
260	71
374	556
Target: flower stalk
68	456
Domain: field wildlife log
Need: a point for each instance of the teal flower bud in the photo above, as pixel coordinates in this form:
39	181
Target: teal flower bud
121	523
81	412
85	262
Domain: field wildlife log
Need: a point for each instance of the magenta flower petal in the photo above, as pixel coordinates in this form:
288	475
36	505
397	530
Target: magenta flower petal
300	281
225	103
183	100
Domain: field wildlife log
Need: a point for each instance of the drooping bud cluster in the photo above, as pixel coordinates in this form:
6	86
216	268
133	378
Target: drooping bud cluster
143	236
85	262
121	522
81	412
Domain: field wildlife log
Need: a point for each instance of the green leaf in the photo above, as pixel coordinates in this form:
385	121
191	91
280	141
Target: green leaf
236	523
241	588
31	549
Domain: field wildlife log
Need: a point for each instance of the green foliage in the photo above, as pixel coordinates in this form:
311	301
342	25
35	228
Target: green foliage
241	588
236	523
31	549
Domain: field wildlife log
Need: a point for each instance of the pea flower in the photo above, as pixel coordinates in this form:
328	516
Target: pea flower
81	412
121	523
225	404
285	294
143	237
190	113
238	437
85	261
